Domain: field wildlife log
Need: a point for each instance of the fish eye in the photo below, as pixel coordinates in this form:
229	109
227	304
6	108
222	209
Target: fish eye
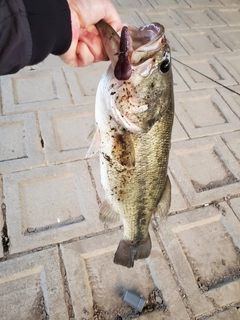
164	66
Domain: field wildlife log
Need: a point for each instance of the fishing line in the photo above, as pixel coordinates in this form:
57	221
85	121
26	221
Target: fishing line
207	77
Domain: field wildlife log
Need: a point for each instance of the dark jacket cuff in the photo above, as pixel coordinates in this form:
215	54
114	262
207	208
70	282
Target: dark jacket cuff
50	25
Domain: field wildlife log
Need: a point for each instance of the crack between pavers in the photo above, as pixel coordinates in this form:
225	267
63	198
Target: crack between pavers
204	75
5	238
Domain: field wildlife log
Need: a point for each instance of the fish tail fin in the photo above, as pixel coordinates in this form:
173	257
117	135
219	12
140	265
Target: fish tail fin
128	251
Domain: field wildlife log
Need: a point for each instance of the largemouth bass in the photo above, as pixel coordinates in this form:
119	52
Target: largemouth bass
134	116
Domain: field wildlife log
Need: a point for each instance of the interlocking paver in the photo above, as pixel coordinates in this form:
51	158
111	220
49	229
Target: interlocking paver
230	15
20	146
168	3
232	140
232	98
204	65
1	215
204	113
235	205
50	204
205	169
34	90
200	271
200	41
168	18
231	314
231	62
31	287
204	3
86	263
65	132
200	18
229	36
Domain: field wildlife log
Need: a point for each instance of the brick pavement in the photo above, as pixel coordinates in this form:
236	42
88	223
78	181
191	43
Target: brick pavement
56	256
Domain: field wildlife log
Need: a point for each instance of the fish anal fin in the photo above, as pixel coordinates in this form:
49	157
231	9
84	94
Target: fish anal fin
123	150
107	213
163	206
128	251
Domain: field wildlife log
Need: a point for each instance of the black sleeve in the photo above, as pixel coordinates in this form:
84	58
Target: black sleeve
30	30
15	37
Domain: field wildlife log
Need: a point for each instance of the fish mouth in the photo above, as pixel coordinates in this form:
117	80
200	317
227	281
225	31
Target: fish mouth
132	48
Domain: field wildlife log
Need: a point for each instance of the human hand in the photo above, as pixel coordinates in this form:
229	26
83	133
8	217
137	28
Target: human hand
86	46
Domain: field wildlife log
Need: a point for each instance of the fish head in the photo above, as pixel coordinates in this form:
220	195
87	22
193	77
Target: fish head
140	77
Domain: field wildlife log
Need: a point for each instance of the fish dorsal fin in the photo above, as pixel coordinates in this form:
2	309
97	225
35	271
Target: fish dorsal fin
107	213
95	144
123	150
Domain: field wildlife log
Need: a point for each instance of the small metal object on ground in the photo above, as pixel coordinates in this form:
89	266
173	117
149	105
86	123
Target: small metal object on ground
134	300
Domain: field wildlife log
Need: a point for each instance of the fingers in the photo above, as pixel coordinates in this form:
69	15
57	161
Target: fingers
111	16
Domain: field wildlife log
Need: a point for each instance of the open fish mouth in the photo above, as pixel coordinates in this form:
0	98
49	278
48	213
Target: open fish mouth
133	48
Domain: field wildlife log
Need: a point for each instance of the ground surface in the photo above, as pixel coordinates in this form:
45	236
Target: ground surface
56	256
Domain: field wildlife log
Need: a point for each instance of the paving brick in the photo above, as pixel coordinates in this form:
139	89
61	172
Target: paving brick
231	62
203	246
230	36
235	205
205	169
204	3
231	314
230	2
201	72
89	280
167	17
230	15
125	5
20	145
178	132
65	132
34	90
130	17
200	41
176	48
31	287
232	98
168	3
83	82
177	200
200	18
232	140
179	83
204	112
50	204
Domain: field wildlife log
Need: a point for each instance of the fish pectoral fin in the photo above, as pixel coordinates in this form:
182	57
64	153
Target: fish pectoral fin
95	136
163	206
123	149
128	251
107	213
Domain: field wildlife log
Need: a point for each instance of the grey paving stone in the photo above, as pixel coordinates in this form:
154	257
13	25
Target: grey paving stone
204	3
94	278
230	314
232	98
34	90
205	169
130	17
204	112
20	146
124	5
83	82
235	205
178	132
205	66
178	82
203	246
230	15
50	204
31	287
232	140
229	36
65	132
200	41
168	3
231	62
200	17
167	17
